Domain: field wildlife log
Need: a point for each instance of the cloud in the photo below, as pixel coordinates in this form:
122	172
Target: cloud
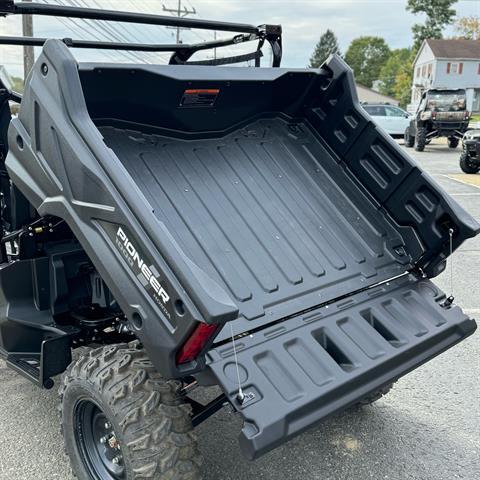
303	22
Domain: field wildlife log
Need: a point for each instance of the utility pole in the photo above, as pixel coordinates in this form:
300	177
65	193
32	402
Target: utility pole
180	12
28	54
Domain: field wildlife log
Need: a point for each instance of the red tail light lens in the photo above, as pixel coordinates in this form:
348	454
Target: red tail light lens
192	348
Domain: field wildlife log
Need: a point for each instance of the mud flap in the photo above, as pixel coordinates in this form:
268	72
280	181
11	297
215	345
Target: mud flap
299	371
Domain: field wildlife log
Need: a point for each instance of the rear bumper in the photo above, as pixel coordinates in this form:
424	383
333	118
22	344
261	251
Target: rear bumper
450	126
298	372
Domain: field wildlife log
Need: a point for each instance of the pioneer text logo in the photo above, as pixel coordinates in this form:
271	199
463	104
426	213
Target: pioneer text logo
135	260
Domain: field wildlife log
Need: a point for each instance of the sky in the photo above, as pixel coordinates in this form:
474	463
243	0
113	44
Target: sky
303	22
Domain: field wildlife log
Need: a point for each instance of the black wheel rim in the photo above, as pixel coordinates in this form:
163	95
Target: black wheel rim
97	443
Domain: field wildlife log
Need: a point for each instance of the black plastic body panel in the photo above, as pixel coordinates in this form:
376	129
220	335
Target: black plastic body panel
59	160
26	321
297	372
65	169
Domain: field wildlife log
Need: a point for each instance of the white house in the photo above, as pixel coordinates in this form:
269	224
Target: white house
448	64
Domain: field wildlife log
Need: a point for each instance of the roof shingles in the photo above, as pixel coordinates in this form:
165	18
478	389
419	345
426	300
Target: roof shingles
455	48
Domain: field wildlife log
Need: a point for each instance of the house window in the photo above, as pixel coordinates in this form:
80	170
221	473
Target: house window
455	68
424	70
418	70
429	70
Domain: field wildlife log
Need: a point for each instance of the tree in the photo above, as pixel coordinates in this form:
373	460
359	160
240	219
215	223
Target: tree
468	27
17	84
327	45
392	68
439	14
366	56
402	89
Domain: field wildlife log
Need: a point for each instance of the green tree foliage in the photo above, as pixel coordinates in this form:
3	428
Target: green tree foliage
366	56
402	89
439	14
468	27
17	84
391	69
327	45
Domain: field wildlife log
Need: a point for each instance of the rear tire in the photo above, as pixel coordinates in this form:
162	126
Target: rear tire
373	397
452	142
122	420
408	139
420	139
467	166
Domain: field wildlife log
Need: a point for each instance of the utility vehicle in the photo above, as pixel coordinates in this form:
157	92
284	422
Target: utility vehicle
470	157
441	113
192	225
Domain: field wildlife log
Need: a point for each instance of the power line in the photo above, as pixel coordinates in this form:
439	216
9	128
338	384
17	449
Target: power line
108	32
143	34
102	30
108	29
73	24
118	26
100	33
144	30
115	31
180	12
68	23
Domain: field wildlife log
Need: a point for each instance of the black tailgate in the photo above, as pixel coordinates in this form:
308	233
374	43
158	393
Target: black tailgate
297	372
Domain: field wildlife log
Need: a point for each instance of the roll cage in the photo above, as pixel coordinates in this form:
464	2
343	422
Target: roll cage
181	53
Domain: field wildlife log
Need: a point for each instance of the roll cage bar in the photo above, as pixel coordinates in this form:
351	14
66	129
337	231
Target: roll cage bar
181	52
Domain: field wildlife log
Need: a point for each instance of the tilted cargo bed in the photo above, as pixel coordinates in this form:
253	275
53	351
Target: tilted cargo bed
266	199
266	212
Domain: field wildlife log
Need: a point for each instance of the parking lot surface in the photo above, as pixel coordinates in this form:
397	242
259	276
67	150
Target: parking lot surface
427	428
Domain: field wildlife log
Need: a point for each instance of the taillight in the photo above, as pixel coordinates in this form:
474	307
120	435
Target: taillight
193	346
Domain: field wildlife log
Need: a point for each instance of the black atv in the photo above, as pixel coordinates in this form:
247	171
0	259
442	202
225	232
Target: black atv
171	227
470	157
441	113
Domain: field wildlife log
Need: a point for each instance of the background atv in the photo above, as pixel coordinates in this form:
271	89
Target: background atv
470	157
183	225
441	113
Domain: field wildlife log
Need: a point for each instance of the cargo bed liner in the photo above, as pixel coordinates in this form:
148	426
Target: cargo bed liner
266	211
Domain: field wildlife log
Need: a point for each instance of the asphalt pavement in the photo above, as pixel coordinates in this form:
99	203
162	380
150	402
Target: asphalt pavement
427	428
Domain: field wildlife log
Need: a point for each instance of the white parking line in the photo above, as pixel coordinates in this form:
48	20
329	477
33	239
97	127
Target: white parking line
460	181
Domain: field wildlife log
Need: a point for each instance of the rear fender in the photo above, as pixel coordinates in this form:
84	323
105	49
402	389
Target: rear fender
59	161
